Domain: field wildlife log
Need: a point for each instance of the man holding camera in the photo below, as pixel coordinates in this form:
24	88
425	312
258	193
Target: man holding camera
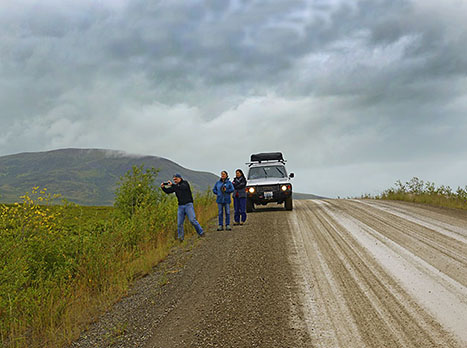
182	190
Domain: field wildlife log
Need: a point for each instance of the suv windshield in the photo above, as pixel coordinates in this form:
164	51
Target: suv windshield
266	172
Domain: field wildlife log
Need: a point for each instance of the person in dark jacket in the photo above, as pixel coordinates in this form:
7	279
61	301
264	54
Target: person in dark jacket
182	190
223	188
239	197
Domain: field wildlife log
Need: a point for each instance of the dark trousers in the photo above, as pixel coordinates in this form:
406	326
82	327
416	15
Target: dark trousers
240	209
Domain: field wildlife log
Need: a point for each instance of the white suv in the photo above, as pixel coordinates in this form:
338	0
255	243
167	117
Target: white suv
267	181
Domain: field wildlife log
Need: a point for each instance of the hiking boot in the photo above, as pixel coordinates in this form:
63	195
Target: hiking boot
228	228
202	235
220	228
236	223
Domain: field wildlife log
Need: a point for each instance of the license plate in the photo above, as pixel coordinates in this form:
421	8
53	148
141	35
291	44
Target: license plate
268	195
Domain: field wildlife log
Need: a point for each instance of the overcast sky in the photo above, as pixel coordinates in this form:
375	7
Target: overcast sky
357	94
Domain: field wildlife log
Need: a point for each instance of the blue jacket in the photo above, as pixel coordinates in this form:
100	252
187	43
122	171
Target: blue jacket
223	197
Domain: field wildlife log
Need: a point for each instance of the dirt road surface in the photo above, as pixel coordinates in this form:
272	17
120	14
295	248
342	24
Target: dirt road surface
330	273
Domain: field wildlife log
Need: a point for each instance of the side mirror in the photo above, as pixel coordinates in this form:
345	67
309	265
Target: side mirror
291	175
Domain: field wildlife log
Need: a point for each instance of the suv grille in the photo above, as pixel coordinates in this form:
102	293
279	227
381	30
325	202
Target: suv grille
268	188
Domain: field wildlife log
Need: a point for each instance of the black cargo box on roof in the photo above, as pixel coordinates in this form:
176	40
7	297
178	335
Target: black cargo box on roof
267	156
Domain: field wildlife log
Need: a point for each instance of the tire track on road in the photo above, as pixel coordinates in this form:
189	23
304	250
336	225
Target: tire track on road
324	311
350	297
443	252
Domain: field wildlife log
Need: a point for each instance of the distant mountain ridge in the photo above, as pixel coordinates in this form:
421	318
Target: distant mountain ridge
88	176
83	176
297	195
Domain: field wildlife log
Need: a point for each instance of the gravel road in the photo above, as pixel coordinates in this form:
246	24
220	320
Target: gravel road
381	274
330	273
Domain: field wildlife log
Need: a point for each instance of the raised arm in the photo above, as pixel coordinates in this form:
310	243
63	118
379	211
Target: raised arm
168	190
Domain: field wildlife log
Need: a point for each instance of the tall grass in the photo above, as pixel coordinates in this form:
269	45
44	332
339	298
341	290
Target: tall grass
62	265
419	191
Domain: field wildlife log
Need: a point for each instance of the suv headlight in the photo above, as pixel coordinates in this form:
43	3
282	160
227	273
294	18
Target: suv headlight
284	187
251	190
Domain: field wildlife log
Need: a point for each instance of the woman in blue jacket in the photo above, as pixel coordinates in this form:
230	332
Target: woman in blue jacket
223	188
239	197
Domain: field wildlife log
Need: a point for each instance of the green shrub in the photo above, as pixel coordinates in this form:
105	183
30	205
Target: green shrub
419	191
135	189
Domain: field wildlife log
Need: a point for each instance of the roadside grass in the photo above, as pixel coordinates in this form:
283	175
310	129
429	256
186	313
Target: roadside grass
419	191
62	265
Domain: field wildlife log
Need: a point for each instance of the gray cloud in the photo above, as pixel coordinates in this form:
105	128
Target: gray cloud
348	89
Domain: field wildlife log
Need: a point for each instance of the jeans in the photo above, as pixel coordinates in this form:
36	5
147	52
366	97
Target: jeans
240	209
189	211
222	207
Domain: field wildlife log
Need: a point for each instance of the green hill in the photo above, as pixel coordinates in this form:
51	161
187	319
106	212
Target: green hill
83	176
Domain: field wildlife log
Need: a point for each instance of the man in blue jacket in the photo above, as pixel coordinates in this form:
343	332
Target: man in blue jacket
223	188
182	190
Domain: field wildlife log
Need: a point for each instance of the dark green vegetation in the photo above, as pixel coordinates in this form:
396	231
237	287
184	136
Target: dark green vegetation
83	176
62	264
418	191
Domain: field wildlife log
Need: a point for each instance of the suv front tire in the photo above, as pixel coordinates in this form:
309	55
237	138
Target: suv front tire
250	207
289	203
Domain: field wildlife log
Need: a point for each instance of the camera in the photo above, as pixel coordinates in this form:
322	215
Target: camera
166	183
224	188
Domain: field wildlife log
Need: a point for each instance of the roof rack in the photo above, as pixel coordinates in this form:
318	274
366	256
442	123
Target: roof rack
266	157
249	164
